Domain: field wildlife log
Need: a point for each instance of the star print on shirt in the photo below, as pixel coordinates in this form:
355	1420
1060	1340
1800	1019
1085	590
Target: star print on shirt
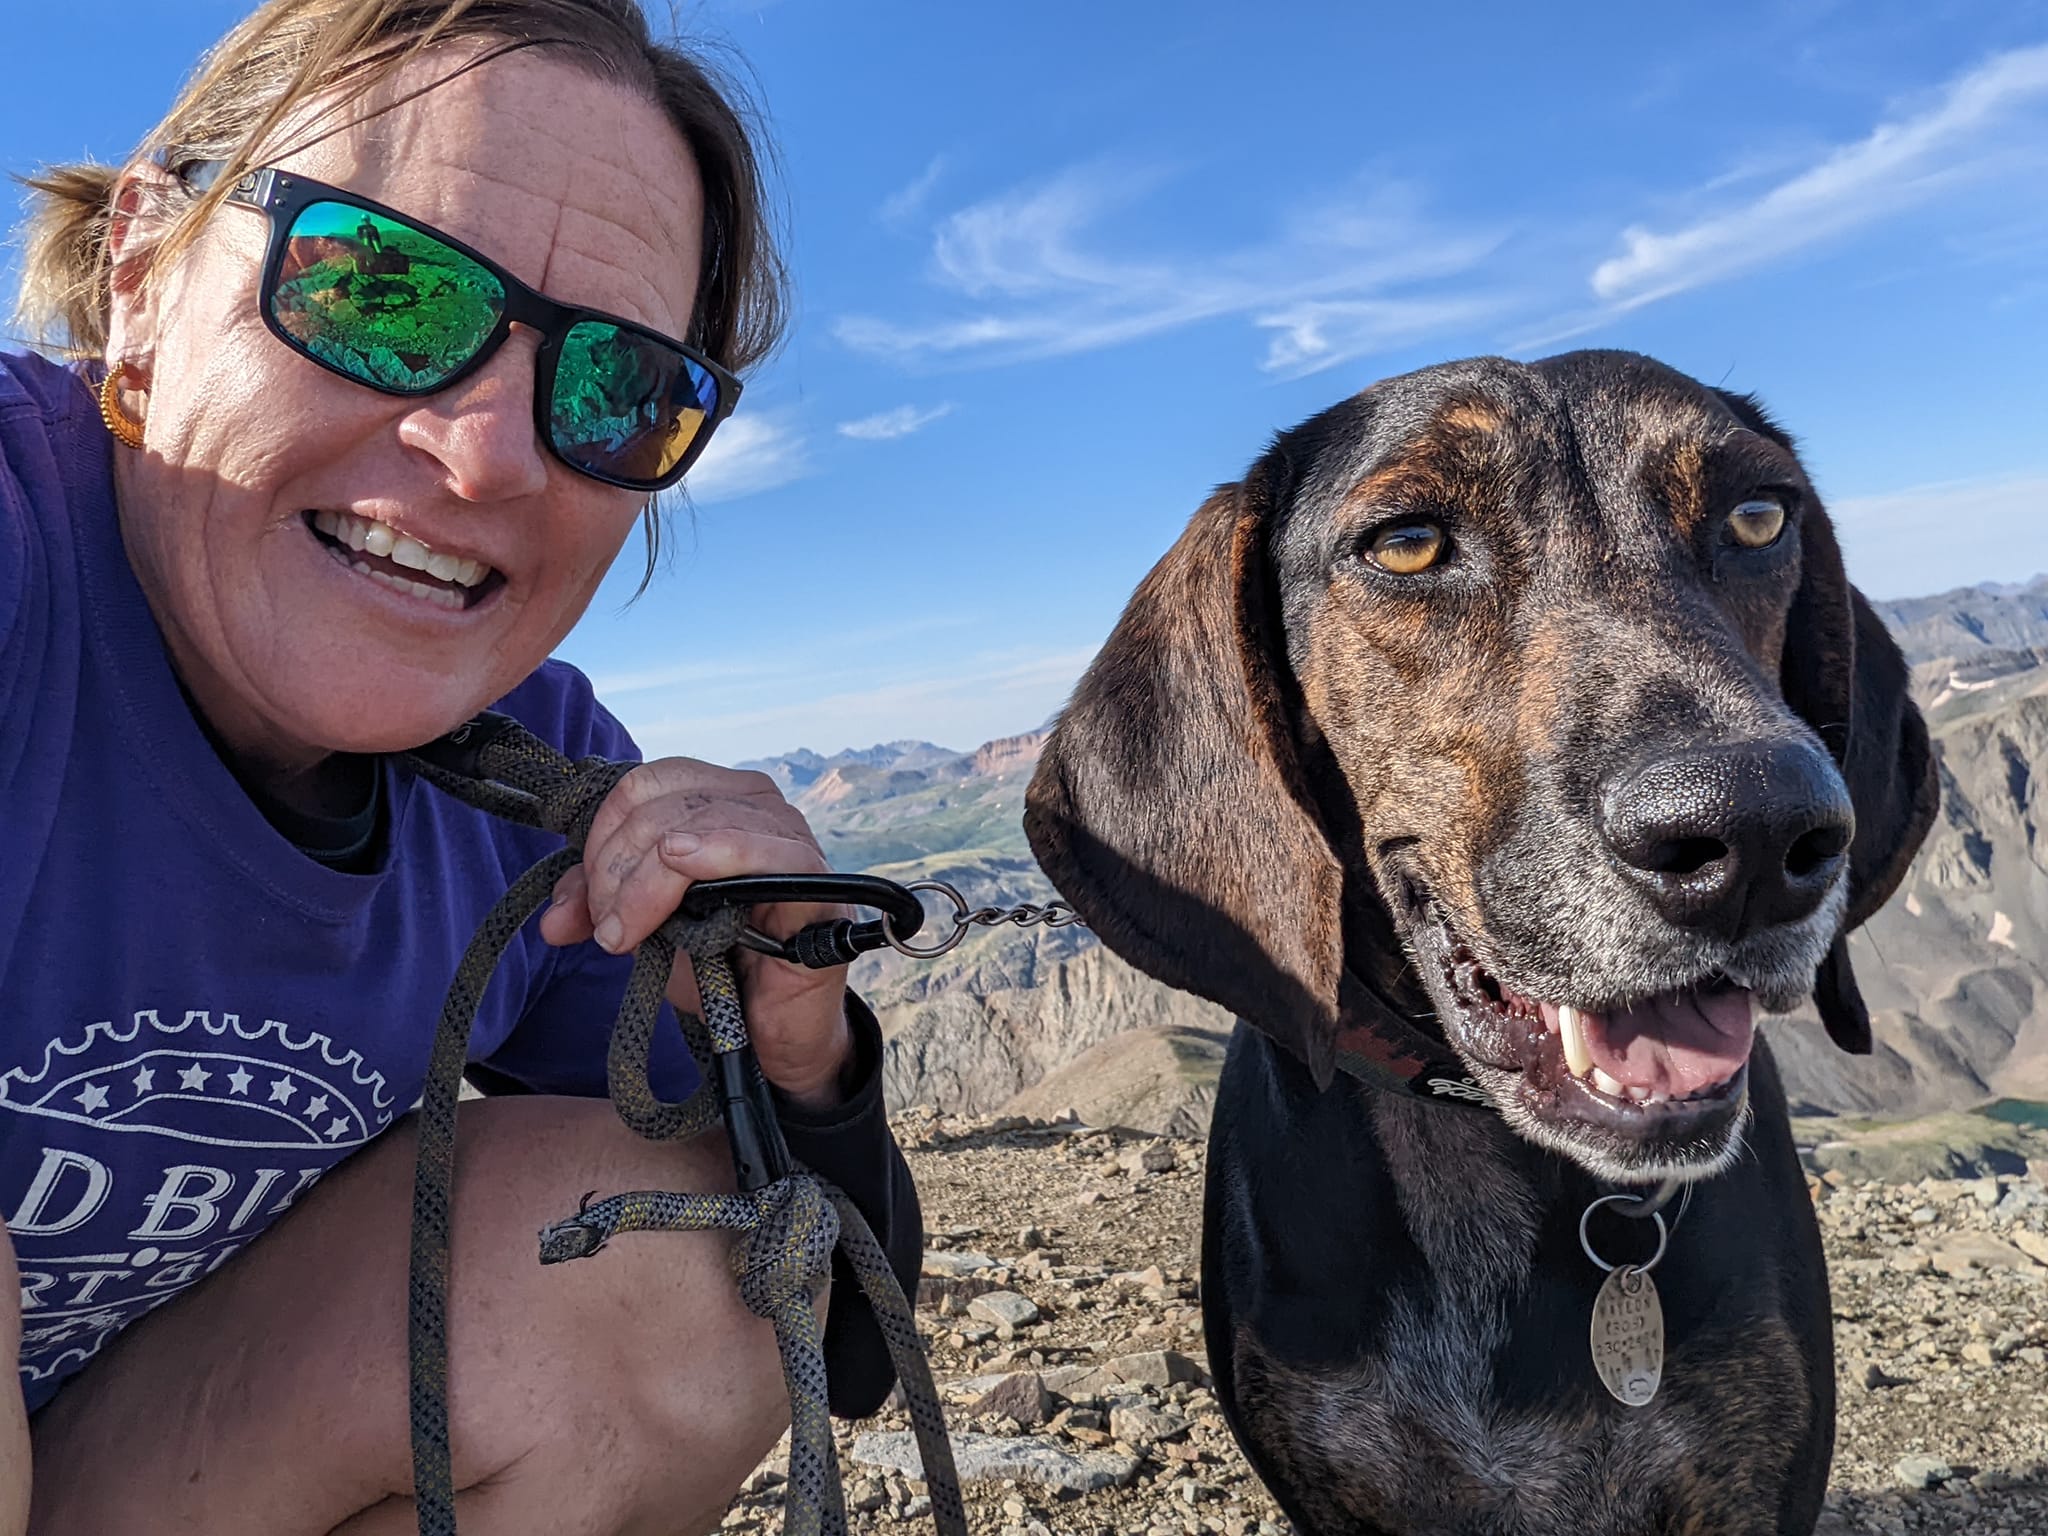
145	1080
315	1108
238	1080
194	1077
282	1090
92	1097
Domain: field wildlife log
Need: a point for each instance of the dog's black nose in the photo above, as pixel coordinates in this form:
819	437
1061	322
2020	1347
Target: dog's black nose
1731	838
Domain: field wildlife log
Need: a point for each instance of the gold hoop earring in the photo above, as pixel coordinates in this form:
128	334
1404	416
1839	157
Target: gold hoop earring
126	429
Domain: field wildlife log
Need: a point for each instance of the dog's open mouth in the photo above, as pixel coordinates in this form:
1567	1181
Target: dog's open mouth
1669	1065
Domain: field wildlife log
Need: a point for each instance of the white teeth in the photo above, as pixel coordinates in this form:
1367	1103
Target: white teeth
410	553
368	536
443	596
1610	1086
1572	1032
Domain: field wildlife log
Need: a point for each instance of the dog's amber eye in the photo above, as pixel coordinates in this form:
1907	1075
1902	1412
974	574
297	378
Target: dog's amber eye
1756	524
1407	548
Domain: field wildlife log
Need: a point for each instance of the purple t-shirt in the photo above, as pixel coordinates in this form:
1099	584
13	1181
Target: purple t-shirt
197	1020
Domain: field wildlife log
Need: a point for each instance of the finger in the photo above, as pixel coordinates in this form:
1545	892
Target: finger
567	919
655	886
632	839
676	775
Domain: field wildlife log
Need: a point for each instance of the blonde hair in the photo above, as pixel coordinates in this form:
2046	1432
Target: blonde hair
290	52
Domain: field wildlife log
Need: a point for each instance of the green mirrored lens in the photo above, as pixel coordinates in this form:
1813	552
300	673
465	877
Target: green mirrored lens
626	404
381	301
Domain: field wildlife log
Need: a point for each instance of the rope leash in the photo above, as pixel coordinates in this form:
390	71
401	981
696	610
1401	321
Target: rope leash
788	1220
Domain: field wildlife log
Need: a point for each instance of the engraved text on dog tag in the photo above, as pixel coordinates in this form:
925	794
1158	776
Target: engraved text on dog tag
1628	1336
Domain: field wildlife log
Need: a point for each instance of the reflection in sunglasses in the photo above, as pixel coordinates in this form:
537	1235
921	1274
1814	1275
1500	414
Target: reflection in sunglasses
381	301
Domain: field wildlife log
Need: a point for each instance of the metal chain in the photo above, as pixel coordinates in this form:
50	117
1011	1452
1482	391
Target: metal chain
1025	914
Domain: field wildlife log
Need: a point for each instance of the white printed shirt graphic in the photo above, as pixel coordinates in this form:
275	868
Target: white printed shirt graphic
156	1147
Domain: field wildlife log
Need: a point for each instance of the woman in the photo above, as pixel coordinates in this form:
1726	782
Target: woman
396	325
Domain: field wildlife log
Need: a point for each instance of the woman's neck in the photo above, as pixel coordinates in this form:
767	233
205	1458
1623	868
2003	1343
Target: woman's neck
310	782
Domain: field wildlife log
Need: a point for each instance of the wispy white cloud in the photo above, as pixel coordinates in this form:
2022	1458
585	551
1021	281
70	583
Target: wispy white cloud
884	426
1964	132
908	200
750	453
1042	278
1318	333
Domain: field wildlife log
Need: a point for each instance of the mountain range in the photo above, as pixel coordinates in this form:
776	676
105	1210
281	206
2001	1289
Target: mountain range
1038	1020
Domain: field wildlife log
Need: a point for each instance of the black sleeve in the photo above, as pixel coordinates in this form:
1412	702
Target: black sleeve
850	1144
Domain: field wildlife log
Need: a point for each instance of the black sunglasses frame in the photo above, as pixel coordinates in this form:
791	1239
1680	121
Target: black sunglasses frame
281	196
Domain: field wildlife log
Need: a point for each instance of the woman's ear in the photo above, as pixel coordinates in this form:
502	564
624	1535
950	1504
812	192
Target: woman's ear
133	232
1169	807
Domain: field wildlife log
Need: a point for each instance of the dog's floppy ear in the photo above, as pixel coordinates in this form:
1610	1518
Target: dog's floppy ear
1169	807
1843	673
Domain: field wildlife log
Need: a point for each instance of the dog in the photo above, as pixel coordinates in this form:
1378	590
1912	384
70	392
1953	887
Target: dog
1495	749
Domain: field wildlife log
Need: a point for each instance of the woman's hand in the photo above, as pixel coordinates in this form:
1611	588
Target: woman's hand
674	822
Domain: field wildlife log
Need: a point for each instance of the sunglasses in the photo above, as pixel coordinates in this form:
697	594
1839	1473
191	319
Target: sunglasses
403	309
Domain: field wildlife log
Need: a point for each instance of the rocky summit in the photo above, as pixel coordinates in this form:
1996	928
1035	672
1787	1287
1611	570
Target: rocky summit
1061	1300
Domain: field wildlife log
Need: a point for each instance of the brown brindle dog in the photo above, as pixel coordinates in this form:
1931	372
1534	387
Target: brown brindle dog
1510	734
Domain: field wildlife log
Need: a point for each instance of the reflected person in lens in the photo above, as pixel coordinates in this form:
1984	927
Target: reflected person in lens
358	375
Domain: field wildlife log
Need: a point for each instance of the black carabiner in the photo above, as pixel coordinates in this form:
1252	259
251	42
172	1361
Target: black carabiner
817	946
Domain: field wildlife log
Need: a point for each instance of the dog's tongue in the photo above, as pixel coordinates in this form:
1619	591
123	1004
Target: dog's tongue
1677	1043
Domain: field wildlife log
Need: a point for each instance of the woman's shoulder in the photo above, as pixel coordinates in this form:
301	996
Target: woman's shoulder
559	705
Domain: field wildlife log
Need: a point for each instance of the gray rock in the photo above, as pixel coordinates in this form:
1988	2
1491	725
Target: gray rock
1078	1383
1155	1157
1021	1396
955	1265
1021	1457
1006	1309
1922	1471
1154	1368
1139	1426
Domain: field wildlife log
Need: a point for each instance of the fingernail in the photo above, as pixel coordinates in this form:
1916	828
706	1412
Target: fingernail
608	934
680	845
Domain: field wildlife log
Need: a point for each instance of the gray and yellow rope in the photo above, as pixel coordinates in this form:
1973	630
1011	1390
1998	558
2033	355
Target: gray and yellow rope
789	1229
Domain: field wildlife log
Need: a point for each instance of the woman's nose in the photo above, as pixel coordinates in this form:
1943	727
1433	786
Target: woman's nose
481	431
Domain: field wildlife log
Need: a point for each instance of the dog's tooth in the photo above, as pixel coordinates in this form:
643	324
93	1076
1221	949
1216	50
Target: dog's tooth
1572	1032
1610	1086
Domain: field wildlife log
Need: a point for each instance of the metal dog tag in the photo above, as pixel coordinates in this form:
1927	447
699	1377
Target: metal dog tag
1628	1336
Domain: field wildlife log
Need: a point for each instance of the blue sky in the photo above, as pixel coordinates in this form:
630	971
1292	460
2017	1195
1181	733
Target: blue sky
1063	268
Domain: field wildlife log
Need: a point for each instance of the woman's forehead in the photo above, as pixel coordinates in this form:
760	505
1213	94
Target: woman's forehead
576	185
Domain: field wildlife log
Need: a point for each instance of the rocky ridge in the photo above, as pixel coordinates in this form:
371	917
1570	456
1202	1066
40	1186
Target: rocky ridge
1061	1296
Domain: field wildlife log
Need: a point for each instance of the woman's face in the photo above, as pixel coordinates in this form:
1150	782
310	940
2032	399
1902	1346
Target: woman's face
251	452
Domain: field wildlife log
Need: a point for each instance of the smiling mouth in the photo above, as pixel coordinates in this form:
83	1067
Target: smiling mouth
1671	1062
401	562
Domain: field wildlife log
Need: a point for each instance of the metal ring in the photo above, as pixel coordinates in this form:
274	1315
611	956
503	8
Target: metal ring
1651	1204
931	951
1585	1242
